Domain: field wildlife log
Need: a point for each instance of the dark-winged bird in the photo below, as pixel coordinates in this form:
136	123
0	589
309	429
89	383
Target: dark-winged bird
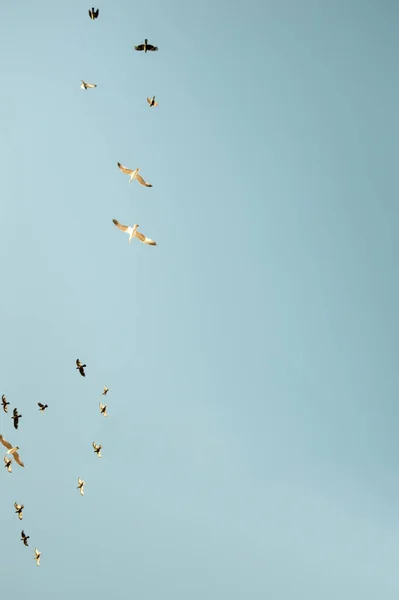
25	538
18	509
80	368
8	461
146	46
15	417
42	407
93	14
4	403
151	101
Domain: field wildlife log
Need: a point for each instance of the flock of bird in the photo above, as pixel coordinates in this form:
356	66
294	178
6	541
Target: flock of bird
132	231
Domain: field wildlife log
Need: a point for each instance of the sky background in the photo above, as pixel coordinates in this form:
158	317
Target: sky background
251	448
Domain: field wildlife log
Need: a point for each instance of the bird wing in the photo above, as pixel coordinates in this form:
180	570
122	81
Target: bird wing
141	180
120	226
149	100
140	47
90	13
152	48
16	506
125	169
40	404
95	446
15	412
17	459
97	12
7	460
155	103
5	443
145	239
78	363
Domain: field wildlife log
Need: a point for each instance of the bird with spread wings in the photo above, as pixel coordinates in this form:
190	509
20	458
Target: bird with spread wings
133	232
12	450
134	174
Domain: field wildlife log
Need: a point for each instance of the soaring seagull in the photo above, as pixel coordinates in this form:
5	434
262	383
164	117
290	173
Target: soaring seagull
15	417
12	450
151	101
80	368
97	449
103	409
134	175
25	538
80	487
133	232
93	14
146	46
84	85
18	509
8	462
4	403
37	556
42	407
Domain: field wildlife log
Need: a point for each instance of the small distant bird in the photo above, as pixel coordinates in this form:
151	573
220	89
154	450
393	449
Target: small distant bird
97	449
151	101
146	46
103	409
80	367
12	451
80	487
105	392
84	85
134	175
37	557
4	403
93	14
133	232
42	407
15	417
18	509
25	538
8	462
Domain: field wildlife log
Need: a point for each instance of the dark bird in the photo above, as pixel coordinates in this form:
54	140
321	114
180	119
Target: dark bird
4	403
146	46
18	509
8	462
25	538
42	407
80	367
151	101
93	14
15	417
97	449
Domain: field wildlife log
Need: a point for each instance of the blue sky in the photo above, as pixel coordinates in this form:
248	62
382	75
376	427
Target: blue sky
251	445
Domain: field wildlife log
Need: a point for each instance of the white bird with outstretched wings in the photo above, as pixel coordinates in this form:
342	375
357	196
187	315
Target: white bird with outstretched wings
133	232
134	174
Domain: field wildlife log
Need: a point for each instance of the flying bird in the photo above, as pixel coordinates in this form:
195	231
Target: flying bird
134	175
37	557
4	403
133	232
105	392
25	538
84	85
18	509
8	461
97	449
146	46
80	367
151	101
42	407
15	417
12	451
93	14
80	487
103	409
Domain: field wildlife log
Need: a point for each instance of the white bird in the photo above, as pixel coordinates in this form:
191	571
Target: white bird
133	232
134	175
84	85
97	449
80	487
103	409
8	462
37	557
12	451
106	390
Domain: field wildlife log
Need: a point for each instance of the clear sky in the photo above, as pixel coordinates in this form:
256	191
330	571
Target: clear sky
251	448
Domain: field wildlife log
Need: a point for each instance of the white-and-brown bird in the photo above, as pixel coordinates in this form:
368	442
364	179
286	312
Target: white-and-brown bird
15	417
151	101
4	403
37	556
103	409
93	14
80	368
146	47
84	85
42	407
133	232
106	390
7	465
18	509
97	449
12	450
81	485
25	538
134	174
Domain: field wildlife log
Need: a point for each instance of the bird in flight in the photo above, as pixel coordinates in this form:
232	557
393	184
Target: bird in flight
4	403
80	367
80	487
8	461
37	557
42	407
106	390
151	101
103	409
25	538
12	450
146	46
93	14
97	449
18	509
15	417
133	232
84	85
134	175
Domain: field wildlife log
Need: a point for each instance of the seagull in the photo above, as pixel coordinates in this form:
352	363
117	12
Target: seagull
84	85
37	557
25	538
146	46
80	487
80	367
12	451
151	101
103	409
133	232
134	175
97	449
105	392
8	462
93	14
42	407
4	403
15	417
18	509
